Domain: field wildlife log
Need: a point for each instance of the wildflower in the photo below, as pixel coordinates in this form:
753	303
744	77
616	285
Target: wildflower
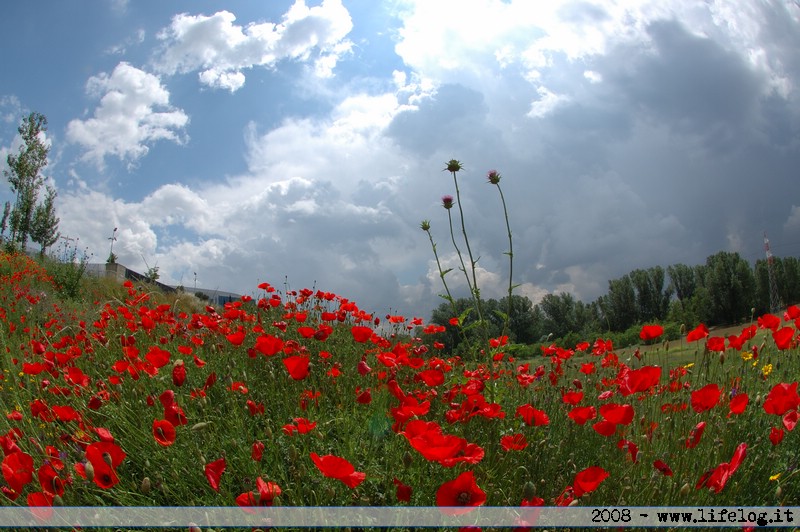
766	370
493	176
775	477
336	467
214	472
588	480
164	432
425	225
462	491
747	355
447	201
650	332
453	166
403	491
705	398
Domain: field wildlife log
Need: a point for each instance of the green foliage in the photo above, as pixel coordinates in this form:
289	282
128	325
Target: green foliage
67	266
44	228
24	176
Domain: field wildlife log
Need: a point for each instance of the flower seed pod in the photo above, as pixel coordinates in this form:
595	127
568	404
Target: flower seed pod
89	469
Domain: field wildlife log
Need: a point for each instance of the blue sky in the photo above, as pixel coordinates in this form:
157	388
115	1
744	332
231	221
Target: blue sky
263	141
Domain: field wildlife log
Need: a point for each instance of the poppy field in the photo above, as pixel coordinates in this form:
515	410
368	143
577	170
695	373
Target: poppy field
296	398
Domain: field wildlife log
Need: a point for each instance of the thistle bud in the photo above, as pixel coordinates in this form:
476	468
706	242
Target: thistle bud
425	225
447	202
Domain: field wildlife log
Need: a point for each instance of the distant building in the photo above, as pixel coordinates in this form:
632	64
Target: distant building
122	273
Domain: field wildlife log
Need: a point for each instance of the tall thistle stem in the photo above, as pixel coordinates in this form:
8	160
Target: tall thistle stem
426	226
453	166
494	178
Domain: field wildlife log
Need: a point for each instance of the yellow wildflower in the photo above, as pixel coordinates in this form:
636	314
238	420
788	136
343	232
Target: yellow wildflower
766	370
776	476
747	355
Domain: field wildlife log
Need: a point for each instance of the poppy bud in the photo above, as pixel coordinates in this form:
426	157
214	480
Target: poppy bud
293	454
407	459
57	500
145	486
268	433
200	426
778	492
722	358
685	489
529	490
89	469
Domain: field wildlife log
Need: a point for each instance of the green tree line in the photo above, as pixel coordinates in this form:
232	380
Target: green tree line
723	291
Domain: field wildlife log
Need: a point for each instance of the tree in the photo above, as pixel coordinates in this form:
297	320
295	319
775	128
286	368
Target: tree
4	221
682	280
559	312
24	176
652	300
44	228
731	287
619	304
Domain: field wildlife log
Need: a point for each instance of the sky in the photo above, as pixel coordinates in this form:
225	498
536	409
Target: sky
302	143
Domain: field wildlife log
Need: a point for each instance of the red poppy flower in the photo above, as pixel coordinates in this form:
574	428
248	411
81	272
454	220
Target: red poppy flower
360	333
617	414
790	420
513	442
705	398
336	467
267	491
269	345
782	398
179	373
651	332
776	435
582	414
157	356
163	432
716	344
462	491
258	451
403	492
769	321
738	403
236	338
297	366
631	447
17	470
303	426
605	428
572	398
431	377
784	337
638	380
214	472
588	480
718	477
105	457
663	467
588	368
698	333
532	416
50	481
694	436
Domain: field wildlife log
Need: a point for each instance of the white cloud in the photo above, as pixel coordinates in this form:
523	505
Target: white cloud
221	50
134	111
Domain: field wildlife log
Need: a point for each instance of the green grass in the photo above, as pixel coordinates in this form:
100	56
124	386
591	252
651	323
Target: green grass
47	343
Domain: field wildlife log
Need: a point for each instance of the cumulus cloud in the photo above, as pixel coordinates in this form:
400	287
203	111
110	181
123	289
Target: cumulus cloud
134	111
221	50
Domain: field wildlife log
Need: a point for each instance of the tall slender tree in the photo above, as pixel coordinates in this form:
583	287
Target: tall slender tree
44	228
24	176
